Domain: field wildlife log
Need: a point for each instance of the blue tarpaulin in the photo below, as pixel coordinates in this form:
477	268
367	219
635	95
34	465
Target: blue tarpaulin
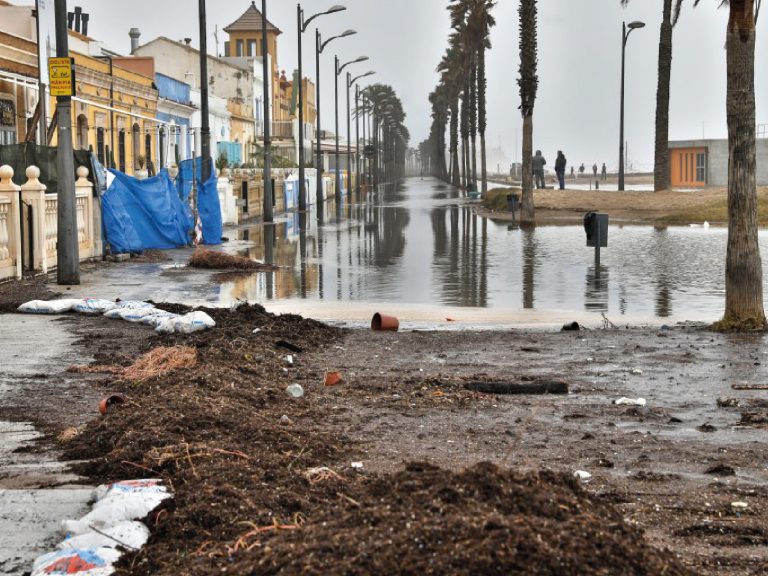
145	214
208	205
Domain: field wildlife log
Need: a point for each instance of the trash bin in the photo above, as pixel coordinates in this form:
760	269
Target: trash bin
512	202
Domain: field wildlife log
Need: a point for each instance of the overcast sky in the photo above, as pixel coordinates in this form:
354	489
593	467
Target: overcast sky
579	63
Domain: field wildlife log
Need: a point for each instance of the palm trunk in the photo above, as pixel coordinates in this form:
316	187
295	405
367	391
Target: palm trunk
661	164
455	176
744	272
482	114
527	214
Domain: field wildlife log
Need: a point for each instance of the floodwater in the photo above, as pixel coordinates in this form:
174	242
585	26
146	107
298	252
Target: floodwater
419	245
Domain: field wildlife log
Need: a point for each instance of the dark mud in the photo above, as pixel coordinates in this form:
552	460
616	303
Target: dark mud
265	483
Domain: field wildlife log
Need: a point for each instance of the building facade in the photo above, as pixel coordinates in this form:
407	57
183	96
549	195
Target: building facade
701	163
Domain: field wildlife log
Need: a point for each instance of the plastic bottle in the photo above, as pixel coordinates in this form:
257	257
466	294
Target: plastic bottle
295	391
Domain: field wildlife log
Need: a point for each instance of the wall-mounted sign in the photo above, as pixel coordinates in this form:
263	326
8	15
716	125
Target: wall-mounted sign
62	78
7	113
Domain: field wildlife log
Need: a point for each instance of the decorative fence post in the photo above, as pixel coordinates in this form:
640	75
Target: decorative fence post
84	203
10	229
33	195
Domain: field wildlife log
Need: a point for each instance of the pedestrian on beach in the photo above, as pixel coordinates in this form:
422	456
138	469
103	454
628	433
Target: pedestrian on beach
594	169
538	169
605	172
560	165
572	172
581	169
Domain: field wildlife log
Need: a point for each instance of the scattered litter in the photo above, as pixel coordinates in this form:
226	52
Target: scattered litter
332	378
739	505
321	474
630	402
288	359
257	330
295	391
289	346
582	475
571	327
285	420
706	428
636	372
94	306
749	386
721	470
357	465
381	322
49	306
450	319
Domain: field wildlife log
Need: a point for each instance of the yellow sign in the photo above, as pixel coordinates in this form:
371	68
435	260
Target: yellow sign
60	70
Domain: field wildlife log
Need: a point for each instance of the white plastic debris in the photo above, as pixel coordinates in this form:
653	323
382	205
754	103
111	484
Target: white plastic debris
49	306
295	391
130	535
257	330
187	324
87	562
739	505
630	402
582	475
636	372
144	486
357	465
94	306
134	304
288	359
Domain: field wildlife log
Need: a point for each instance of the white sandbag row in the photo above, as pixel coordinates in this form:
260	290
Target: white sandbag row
131	311
95	543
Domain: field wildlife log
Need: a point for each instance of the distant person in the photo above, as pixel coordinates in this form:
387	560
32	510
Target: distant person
605	172
538	169
581	169
572	172
594	169
560	165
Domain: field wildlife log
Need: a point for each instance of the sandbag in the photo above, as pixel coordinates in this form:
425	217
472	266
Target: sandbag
86	562
187	324
134	304
49	306
94	306
130	314
131	535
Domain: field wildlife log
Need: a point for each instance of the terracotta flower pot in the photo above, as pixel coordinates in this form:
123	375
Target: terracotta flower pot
110	401
332	378
383	323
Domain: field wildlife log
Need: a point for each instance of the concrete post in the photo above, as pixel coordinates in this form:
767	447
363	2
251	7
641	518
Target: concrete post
11	191
84	193
33	194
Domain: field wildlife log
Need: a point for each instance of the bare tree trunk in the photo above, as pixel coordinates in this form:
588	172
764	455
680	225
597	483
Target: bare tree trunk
455	176
661	165
744	271
484	173
473	120
527	214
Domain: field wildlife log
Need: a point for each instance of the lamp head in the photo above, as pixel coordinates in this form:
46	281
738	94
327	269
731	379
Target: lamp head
360	59
636	24
347	33
336	8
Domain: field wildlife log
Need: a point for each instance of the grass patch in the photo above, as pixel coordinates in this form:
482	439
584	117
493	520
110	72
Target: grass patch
717	211
496	199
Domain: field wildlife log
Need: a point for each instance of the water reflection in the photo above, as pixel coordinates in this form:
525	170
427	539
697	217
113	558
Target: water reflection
419	243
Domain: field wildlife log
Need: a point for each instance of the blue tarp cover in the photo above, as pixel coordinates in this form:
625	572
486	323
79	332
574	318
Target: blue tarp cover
145	214
208	206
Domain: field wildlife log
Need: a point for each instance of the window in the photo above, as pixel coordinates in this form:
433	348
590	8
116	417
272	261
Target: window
100	145
136	142
121	151
701	163
252	48
7	137
239	48
162	147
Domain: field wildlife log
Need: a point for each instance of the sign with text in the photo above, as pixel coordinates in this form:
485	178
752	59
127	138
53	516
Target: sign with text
61	76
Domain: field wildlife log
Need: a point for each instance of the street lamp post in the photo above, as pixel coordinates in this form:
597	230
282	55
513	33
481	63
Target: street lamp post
302	27
626	30
339	70
319	47
351	81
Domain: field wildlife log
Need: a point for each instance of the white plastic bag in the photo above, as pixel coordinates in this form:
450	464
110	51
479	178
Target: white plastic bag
87	562
155	319
49	306
144	485
131	314
131	535
187	324
94	306
630	402
115	509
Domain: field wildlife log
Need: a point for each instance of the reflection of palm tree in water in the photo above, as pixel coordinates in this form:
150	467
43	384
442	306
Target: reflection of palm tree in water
529	267
664	282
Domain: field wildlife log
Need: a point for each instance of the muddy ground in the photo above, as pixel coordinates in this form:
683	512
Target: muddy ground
266	484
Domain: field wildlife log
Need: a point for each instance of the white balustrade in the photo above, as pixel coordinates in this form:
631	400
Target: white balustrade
10	235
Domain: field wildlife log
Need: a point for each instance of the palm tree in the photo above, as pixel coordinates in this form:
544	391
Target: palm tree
743	266
529	84
661	164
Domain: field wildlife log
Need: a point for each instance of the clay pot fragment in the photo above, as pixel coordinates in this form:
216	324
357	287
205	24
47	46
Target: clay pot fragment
332	378
112	400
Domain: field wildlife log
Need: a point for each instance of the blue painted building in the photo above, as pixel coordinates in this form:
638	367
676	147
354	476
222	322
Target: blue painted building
175	109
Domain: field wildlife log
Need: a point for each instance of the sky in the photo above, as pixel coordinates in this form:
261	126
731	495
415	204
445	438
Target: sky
577	109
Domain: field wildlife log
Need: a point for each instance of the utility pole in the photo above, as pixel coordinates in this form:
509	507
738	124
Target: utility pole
302	173
268	214
68	250
205	128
